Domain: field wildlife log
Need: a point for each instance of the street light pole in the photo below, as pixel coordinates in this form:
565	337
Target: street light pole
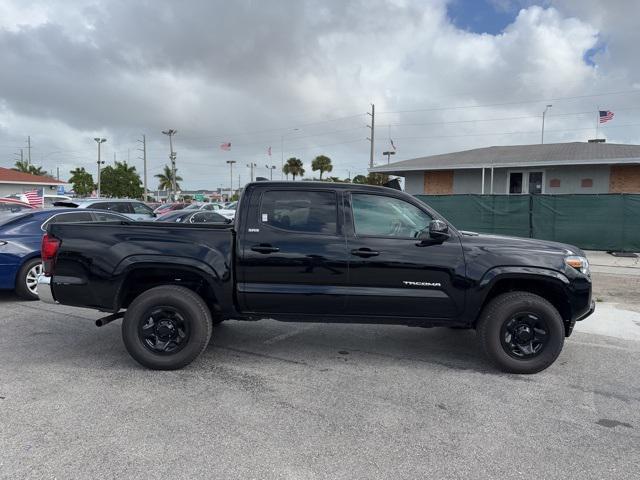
231	162
544	115
172	156
388	154
99	141
252	166
271	169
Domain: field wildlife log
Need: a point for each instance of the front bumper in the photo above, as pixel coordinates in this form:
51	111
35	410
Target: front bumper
45	292
569	326
592	309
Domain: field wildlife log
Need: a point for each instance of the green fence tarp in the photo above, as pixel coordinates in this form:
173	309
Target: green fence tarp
597	222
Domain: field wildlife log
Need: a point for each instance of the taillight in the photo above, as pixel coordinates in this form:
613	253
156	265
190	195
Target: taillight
48	251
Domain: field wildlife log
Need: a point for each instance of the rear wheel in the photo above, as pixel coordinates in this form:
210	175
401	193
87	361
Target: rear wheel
167	327
521	332
27	279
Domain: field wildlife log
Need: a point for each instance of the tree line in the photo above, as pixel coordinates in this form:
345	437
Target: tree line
123	180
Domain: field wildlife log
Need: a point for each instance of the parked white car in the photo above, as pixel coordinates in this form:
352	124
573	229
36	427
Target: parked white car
229	211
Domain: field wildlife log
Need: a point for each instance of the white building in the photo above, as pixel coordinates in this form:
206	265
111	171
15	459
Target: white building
12	181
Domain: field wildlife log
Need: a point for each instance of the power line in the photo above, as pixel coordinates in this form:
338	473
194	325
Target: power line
575	97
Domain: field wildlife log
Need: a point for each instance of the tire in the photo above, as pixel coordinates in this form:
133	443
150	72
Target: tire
25	288
167	327
506	324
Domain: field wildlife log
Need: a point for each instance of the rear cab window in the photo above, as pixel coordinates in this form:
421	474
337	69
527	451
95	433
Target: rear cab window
300	211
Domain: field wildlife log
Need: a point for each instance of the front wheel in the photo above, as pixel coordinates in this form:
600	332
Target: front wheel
521	332
167	327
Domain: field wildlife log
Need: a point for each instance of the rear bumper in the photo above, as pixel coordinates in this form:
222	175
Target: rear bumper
45	292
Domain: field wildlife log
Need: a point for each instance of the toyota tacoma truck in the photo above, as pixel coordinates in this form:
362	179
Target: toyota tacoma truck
319	252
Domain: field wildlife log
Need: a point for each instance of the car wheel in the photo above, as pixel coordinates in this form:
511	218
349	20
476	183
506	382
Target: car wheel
521	332
27	279
167	327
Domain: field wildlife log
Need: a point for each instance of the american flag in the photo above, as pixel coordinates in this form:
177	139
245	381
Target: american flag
392	145
35	197
226	146
605	115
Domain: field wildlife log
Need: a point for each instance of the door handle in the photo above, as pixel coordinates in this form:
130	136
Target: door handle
265	248
364	252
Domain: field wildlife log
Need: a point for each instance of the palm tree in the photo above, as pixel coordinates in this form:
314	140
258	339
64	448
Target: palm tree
322	163
25	167
294	167
165	182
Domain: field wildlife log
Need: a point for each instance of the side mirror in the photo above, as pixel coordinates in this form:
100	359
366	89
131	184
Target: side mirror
438	230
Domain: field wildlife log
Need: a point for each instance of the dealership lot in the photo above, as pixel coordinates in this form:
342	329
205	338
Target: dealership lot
277	400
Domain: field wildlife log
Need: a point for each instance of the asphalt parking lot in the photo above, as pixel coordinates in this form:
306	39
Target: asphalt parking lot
306	401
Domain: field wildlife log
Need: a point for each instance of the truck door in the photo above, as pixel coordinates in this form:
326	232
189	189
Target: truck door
293	256
390	272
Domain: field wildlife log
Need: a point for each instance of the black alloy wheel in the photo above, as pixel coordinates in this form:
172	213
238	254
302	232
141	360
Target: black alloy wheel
525	335
164	330
521	332
167	327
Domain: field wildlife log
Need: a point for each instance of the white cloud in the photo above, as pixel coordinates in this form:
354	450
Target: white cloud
249	72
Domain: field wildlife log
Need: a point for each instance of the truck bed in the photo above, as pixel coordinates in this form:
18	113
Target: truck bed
95	258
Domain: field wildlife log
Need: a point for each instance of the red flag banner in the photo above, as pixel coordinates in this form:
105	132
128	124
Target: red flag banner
225	146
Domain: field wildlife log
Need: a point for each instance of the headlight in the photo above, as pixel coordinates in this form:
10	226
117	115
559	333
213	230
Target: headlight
579	263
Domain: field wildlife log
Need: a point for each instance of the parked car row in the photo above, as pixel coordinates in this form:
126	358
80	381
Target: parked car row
22	227
20	237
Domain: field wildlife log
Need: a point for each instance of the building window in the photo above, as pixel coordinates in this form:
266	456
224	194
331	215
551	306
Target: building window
535	182
526	182
515	182
586	183
554	183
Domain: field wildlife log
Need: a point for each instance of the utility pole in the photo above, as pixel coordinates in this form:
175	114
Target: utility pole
231	162
144	165
372	137
172	156
99	141
544	114
58	173
21	155
29	150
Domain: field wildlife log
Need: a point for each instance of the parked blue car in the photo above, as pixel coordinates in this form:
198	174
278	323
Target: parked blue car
20	237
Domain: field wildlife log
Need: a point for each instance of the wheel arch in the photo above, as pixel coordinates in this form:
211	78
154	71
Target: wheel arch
548	284
140	275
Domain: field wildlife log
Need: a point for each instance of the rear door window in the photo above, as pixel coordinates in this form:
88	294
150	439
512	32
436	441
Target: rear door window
68	218
107	217
120	207
300	211
141	209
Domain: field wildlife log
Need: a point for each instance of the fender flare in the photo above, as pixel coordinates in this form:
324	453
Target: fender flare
493	275
208	271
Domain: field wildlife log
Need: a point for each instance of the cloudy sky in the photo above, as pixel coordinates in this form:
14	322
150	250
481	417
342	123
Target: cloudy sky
443	75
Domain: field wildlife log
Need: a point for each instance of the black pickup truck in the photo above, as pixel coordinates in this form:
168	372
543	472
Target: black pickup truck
319	252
